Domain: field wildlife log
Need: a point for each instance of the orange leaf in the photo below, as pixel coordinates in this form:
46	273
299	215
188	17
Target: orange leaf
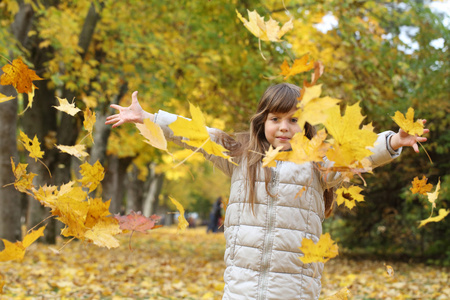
137	221
421	186
19	76
300	65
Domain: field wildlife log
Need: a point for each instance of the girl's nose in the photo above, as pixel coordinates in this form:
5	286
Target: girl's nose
283	126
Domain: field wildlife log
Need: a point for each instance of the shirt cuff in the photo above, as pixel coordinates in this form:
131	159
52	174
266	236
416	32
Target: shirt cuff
388	145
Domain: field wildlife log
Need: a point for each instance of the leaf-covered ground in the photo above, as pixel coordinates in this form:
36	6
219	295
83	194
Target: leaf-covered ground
166	265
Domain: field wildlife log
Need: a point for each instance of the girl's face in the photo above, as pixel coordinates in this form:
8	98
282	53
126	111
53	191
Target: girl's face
279	128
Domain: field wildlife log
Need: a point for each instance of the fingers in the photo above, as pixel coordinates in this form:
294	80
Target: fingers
115	106
118	124
415	147
134	98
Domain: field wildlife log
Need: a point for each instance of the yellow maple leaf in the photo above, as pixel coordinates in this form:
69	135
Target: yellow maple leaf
92	175
89	122
349	196
312	108
46	195
432	197
182	223
97	211
77	150
322	251
300	65
343	294
16	251
441	215
350	143
154	134
269	158
4	98
421	186
32	146
304	150
266	31
102	233
196	133
19	76
66	107
24	180
406	122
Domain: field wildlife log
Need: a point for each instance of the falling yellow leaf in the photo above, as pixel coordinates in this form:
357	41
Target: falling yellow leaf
97	211
312	108
407	122
349	196
421	186
154	134
324	250
77	150
92	175
89	122
66	107
196	133
300	65
432	197
304	150
182	223
32	146
350	143
23	180
16	251
4	98
441	215
266	31
269	158
102	233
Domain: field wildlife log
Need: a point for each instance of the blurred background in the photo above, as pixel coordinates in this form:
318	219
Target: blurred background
387	55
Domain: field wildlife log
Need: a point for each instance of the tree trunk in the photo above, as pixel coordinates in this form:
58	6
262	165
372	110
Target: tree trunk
154	189
114	182
135	191
10	200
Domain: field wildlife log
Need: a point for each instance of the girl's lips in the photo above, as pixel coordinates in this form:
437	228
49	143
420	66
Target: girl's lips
283	138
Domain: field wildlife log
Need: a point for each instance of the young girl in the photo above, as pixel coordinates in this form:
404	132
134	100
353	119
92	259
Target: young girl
265	221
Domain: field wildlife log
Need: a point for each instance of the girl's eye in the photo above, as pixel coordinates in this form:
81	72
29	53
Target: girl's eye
274	119
294	120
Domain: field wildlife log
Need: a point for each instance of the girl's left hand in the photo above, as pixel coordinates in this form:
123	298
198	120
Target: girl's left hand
403	139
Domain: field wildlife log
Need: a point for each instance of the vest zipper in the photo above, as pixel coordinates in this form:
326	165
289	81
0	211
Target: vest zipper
268	240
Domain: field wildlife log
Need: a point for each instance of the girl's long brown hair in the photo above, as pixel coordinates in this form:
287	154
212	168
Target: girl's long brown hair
248	146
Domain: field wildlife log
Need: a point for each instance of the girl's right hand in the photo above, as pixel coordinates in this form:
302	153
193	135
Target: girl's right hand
131	114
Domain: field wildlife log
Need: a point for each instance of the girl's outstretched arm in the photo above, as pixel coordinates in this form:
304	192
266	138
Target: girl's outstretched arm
131	114
403	139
